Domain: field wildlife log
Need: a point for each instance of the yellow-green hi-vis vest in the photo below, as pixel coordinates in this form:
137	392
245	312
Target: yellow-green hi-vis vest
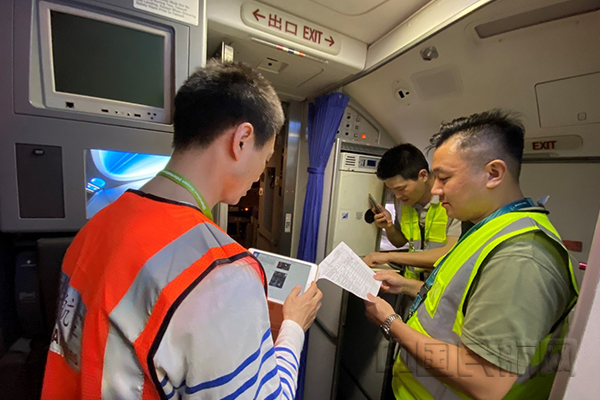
436	222
441	317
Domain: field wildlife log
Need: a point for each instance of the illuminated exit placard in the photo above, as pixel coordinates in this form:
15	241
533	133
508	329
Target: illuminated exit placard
551	143
287	26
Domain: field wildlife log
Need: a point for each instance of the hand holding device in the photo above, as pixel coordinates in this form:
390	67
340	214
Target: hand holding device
383	218
302	308
378	209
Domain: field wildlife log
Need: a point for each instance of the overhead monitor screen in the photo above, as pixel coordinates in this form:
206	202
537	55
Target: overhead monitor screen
100	59
106	63
108	174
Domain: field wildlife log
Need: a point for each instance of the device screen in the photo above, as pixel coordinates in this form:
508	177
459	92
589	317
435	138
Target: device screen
375	204
282	274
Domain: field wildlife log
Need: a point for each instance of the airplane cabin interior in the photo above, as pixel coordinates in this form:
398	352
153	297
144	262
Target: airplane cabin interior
86	94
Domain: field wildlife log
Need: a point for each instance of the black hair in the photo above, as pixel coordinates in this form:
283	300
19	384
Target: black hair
489	135
220	96
404	160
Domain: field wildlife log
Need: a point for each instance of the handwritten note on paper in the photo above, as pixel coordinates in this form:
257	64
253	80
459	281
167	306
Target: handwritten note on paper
344	268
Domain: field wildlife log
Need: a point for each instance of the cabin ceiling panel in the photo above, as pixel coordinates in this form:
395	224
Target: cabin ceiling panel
291	71
295	76
351	7
364	20
498	72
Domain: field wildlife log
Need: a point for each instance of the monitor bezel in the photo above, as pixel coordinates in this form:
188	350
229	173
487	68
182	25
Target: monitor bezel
95	105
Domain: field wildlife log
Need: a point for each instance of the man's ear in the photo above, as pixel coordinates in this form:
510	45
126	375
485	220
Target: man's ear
496	172
242	139
423	174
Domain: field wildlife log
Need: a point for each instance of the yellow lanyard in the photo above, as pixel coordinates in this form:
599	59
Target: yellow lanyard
411	241
181	181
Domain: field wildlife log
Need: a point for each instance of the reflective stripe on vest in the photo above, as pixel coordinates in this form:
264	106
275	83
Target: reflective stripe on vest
425	386
436	223
130	317
441	314
126	310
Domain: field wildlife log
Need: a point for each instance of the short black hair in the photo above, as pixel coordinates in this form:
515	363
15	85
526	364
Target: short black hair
220	96
490	135
404	160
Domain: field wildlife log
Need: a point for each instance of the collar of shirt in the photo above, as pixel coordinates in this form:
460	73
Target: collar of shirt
435	199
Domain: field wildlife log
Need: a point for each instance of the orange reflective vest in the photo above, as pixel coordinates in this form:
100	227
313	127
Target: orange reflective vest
123	278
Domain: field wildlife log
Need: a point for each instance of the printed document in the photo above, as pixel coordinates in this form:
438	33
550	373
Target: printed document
347	270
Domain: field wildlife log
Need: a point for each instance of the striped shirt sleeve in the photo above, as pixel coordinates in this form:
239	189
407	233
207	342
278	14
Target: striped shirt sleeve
218	343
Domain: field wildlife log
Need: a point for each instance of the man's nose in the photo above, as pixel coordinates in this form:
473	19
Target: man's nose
437	188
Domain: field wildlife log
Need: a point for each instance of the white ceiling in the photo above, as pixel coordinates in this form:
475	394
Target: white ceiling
500	71
363	20
361	23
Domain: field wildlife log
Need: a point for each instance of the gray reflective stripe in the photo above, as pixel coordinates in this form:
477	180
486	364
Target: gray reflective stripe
434	245
134	309
123	379
440	325
129	317
68	329
549	233
434	386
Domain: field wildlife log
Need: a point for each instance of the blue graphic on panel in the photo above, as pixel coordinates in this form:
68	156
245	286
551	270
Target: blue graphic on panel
110	173
95	184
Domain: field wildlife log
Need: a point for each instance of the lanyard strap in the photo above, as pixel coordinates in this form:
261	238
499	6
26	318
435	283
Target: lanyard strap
514	206
187	185
411	241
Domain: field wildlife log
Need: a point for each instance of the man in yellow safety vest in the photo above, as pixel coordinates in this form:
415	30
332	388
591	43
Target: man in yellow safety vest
489	321
420	220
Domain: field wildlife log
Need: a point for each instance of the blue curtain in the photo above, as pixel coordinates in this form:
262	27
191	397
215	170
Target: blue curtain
324	117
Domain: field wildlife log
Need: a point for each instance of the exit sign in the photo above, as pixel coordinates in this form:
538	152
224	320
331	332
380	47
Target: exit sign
554	143
286	26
